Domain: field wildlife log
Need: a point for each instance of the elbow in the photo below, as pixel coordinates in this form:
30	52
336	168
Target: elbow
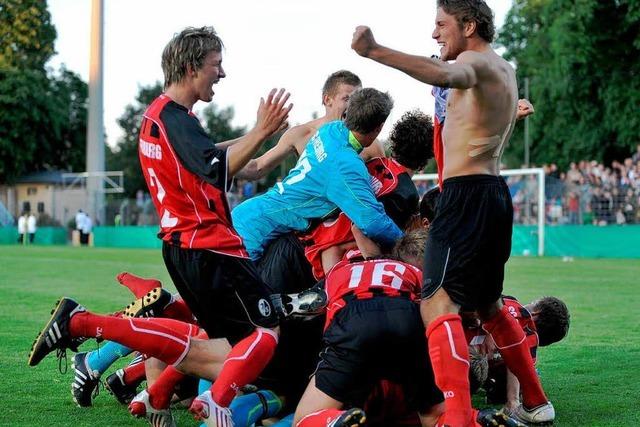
251	171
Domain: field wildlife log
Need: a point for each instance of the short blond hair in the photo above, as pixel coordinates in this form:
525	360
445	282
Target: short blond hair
410	247
188	48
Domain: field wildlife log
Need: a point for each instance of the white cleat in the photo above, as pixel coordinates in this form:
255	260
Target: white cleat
209	412
141	407
542	415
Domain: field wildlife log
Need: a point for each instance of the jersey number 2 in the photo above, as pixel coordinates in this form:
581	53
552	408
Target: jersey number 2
167	220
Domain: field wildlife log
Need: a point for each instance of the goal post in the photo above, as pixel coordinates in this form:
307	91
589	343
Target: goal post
539	175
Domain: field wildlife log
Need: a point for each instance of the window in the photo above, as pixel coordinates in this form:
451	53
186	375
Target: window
31	191
40	207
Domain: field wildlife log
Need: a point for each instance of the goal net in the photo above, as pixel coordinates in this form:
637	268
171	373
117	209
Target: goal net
527	187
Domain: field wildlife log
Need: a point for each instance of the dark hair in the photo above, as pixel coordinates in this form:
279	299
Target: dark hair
335	79
412	140
368	108
428	204
552	320
472	10
410	247
189	47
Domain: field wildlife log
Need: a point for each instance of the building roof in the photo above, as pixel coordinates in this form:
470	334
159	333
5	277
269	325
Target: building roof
44	177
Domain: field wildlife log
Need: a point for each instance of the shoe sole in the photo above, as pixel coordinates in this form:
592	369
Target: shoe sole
41	338
356	418
136	307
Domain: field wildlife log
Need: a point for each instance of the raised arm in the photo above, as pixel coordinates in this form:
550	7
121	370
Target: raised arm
460	75
261	166
272	117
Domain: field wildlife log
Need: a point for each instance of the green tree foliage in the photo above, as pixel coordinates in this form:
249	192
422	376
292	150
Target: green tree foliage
26	34
124	156
217	123
581	61
43	120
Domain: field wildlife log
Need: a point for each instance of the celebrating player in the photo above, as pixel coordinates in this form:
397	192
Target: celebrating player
470	237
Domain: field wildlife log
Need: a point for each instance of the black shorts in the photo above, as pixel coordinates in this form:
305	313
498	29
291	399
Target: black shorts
286	269
225	293
469	240
372	339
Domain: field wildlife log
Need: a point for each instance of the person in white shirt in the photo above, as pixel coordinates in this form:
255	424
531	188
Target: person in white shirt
87	224
22	227
31	227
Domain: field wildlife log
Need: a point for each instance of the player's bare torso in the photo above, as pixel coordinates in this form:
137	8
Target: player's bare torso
480	120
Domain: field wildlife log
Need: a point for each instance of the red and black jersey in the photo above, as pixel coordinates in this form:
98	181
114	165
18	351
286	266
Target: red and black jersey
187	178
354	277
475	334
440	94
391	185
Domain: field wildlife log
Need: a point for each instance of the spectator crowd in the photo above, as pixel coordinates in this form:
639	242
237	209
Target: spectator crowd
589	192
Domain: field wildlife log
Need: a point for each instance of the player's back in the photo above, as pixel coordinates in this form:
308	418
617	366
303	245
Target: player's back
303	195
365	278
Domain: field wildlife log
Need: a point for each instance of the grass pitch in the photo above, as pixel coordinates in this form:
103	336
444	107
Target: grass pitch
592	377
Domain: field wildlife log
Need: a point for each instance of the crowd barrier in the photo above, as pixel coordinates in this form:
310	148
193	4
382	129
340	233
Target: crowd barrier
562	240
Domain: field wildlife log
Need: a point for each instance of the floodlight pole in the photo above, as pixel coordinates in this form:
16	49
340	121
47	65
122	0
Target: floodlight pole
95	125
526	125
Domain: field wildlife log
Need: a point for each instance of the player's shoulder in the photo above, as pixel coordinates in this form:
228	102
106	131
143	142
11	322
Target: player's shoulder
296	138
472	56
485	62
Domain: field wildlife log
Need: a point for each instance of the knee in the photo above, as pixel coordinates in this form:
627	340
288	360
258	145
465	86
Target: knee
437	305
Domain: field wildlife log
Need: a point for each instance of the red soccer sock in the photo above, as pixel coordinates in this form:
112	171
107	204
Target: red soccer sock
139	286
161	390
511	341
243	364
134	374
164	339
178	310
320	419
450	360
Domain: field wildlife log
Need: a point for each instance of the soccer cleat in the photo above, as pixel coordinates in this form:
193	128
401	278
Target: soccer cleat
150	305
209	412
308	303
542	415
493	418
115	385
353	417
141	407
55	335
85	381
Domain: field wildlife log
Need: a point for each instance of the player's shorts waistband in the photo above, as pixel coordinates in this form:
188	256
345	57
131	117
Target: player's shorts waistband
375	293
473	179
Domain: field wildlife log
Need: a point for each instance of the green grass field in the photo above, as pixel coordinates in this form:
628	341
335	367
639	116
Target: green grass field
592	377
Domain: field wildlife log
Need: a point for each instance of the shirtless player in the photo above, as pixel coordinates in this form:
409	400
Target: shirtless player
470	238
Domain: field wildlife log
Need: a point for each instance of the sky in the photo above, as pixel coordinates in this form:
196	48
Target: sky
293	44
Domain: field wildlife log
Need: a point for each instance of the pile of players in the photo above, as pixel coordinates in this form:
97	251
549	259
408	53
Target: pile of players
313	292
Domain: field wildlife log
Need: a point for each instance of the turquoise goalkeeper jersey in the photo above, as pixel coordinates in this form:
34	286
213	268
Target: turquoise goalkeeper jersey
329	175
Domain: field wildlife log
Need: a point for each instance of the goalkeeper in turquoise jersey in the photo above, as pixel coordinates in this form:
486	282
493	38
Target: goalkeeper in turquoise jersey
329	175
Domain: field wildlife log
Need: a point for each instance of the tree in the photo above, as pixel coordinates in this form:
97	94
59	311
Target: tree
28	36
217	123
583	76
124	156
43	120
